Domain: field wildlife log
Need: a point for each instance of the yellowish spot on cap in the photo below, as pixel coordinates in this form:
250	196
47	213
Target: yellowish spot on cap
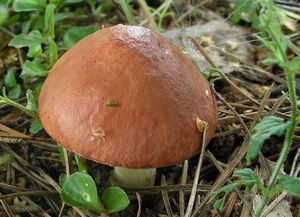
99	133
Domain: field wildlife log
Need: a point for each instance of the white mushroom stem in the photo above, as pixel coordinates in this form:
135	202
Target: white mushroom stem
126	177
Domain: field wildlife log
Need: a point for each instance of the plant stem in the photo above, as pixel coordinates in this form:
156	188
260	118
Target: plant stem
145	8
287	142
127	11
10	102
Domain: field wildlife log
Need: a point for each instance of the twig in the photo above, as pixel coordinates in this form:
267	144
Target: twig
231	203
197	174
27	193
181	193
165	197
6	207
168	188
61	211
232	109
273	204
294	165
138	197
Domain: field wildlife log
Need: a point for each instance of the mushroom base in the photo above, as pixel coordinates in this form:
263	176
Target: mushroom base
126	177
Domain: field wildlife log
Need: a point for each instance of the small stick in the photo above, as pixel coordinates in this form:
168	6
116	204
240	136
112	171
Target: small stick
231	203
232	109
138	197
165	197
26	193
273	204
181	192
197	174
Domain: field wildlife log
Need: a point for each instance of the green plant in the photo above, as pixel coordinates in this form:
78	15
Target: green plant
80	190
269	20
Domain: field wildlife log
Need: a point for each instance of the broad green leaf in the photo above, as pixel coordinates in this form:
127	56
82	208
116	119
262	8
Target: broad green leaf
295	65
267	127
53	54
29	5
62	179
35	51
35	127
3	13
49	21
10	79
32	70
15	92
31	105
73	35
5	158
115	199
290	184
79	190
219	204
26	40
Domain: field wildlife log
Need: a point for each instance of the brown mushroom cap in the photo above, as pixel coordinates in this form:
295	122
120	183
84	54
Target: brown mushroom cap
125	96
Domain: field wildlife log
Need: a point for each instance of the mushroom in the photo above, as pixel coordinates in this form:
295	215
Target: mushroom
127	97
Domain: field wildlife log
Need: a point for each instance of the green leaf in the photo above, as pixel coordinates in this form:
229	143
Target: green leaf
35	127
80	164
35	51
62	179
290	184
32	70
3	13
31	105
79	190
26	26
239	7
225	189
267	127
295	65
29	5
73	35
53	54
15	92
270	61
10	79
26	40
49	21
60	150
115	199
284	43
247	177
219	204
